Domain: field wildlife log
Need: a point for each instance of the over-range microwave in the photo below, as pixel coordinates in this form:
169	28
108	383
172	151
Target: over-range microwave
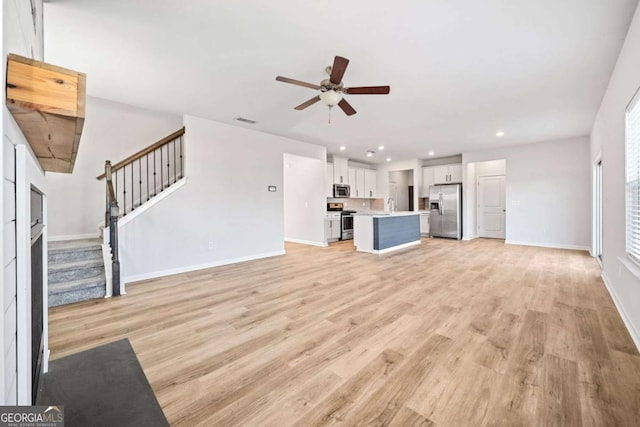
340	190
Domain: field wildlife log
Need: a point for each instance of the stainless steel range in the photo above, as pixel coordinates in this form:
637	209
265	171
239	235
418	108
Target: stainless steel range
346	220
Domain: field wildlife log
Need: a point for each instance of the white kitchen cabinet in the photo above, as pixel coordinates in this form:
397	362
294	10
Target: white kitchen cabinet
455	173
340	170
329	180
427	180
332	227
356	182
447	174
424	223
352	181
370	184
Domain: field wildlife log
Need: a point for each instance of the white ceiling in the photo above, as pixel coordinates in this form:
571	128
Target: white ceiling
459	70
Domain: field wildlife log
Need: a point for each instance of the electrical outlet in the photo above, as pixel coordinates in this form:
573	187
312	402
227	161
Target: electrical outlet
211	246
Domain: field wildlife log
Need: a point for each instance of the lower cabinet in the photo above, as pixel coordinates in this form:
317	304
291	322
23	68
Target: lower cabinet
424	223
332	227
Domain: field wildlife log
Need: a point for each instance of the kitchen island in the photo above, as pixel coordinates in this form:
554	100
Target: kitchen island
382	232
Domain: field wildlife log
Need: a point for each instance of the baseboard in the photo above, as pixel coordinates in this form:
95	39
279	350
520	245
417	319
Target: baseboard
162	273
469	237
635	335
549	245
305	242
73	237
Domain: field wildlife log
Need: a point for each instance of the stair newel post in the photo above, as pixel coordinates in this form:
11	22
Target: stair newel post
107	174
113	236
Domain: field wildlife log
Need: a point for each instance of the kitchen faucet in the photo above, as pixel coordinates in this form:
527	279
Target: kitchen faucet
391	204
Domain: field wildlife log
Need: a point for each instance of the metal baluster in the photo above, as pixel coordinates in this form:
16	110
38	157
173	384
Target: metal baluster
124	191
147	157
168	168
181	165
155	186
133	202
161	169
175	165
140	181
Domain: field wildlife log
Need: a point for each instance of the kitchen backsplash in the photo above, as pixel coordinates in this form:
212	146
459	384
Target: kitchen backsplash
354	204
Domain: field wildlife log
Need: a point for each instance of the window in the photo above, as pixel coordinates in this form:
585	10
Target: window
632	124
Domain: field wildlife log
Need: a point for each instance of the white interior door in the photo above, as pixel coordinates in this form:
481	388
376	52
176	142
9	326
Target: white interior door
491	206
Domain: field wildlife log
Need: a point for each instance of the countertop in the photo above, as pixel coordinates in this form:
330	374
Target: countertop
381	214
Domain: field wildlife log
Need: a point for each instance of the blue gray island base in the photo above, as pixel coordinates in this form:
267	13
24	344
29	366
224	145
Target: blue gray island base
381	233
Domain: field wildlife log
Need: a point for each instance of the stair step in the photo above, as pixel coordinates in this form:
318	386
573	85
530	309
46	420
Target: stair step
75	270
72	265
77	295
79	284
73	245
64	252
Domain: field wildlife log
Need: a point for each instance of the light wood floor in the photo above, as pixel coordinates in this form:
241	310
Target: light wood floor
448	334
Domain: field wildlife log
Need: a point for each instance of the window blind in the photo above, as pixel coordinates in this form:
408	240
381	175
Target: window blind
632	128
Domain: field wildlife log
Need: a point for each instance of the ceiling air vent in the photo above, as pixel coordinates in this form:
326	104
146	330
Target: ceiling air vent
242	119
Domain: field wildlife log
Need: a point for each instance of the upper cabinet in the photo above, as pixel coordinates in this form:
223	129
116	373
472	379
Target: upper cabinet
443	174
356	182
362	182
447	174
370	184
48	104
427	180
340	170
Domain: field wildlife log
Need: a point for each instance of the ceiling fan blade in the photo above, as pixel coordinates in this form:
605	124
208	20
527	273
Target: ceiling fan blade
308	103
368	90
297	82
338	69
346	107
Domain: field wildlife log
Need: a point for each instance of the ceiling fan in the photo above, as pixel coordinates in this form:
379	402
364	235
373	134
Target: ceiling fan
332	90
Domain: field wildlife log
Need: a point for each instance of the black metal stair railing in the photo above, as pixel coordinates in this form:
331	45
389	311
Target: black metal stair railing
137	179
145	174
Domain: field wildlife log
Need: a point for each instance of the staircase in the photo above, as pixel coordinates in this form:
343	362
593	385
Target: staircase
76	271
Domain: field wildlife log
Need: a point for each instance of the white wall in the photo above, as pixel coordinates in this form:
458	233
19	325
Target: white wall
470	212
112	131
547	192
402	180
224	213
383	178
607	138
304	201
19	36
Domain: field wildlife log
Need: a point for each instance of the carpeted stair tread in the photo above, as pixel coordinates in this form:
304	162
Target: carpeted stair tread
89	282
74	245
72	265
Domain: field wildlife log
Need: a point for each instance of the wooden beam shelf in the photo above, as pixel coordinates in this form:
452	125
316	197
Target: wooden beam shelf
48	103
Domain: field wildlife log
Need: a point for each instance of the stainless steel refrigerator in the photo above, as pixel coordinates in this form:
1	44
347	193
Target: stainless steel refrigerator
445	205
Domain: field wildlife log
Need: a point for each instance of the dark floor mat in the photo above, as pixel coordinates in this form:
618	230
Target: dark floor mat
103	386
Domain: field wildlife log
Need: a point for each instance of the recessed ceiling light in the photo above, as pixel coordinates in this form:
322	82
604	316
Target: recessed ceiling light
342	148
380	147
431	153
369	153
388	159
500	134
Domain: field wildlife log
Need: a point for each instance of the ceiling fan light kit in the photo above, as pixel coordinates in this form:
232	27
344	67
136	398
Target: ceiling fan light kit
332	90
330	97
